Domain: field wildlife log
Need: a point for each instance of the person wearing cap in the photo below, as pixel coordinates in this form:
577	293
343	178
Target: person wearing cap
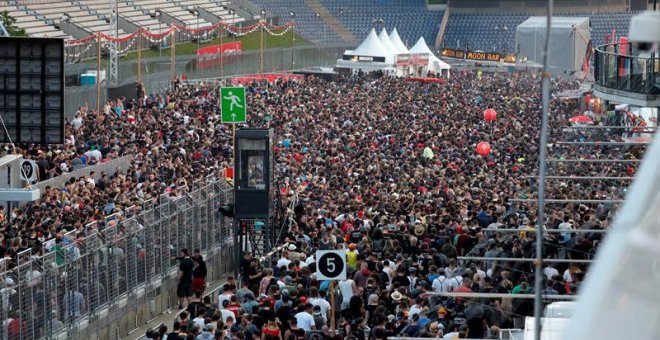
319	318
352	256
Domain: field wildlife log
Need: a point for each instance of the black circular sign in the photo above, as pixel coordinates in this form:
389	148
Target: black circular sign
28	169
331	265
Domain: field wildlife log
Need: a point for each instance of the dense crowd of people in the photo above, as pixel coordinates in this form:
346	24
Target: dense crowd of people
385	169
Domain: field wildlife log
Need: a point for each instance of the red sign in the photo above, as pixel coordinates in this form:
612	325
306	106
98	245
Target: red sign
229	172
210	56
414	59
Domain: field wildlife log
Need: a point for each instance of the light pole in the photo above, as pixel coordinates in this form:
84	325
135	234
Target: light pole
292	14
318	46
261	52
66	18
195	13
156	15
506	29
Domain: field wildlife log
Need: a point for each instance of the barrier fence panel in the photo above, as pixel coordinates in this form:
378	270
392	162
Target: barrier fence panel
98	275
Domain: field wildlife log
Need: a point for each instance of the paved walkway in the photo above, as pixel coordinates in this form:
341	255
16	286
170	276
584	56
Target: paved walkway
167	318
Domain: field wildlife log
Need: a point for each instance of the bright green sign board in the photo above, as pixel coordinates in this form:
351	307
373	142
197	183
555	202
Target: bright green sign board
233	105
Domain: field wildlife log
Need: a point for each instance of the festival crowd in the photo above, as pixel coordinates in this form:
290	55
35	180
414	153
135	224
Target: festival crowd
385	169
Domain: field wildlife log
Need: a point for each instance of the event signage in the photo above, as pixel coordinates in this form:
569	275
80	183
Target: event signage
479	56
412	59
233	105
331	264
210	56
363	58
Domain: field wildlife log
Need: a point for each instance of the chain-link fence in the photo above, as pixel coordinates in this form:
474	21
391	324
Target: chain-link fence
157	72
115	269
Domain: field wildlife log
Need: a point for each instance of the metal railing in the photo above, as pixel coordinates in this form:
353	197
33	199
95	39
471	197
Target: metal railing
114	267
618	66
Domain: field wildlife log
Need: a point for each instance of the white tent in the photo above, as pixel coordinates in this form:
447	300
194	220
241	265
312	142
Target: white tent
387	43
435	64
396	41
371	55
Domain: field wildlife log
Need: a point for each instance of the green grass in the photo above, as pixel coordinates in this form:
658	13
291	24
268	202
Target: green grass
250	42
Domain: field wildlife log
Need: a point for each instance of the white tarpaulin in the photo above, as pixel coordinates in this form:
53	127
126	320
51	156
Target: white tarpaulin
434	64
396	41
568	42
371	55
387	43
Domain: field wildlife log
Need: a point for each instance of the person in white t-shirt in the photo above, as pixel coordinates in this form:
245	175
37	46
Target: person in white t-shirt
284	260
441	283
306	319
318	299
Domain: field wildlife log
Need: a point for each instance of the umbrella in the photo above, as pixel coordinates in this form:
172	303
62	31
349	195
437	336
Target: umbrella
581	120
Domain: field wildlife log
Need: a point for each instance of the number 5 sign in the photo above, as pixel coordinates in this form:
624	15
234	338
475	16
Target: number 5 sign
331	265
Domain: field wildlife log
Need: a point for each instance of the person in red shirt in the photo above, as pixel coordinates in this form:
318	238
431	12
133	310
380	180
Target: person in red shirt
463	288
234	306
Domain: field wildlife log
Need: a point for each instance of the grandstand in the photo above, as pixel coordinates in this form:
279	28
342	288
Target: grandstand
359	16
87	17
497	31
308	24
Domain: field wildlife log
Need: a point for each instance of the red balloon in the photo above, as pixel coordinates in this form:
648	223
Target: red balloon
490	115
483	149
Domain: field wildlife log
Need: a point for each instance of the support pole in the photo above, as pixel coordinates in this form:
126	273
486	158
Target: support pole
538	279
173	53
517	259
555	160
293	41
332	308
98	73
221	54
139	53
565	201
261	48
590	178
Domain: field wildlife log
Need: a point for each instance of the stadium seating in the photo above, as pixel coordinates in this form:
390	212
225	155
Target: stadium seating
35	25
603	23
485	31
307	24
410	17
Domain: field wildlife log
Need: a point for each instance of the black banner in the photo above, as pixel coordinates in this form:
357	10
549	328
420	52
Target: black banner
479	56
363	58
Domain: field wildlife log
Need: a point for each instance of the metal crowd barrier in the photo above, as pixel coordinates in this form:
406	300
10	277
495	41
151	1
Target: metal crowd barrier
122	264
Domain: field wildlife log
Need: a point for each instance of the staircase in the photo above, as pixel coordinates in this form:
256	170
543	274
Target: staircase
331	21
443	27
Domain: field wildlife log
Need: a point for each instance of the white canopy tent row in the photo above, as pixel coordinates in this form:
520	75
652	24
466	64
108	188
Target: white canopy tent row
387	53
434	63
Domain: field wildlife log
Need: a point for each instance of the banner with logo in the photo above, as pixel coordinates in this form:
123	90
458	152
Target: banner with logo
479	56
412	59
363	58
210	56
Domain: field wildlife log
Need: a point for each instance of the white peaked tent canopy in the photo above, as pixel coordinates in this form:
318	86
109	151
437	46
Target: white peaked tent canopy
387	43
435	64
396	41
371	46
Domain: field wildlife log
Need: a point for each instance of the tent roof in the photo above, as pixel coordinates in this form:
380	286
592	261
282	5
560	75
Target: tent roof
421	47
371	46
396	41
387	43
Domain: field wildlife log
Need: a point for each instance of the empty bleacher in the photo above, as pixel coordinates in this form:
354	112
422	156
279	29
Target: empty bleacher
308	25
486	31
34	24
410	17
603	23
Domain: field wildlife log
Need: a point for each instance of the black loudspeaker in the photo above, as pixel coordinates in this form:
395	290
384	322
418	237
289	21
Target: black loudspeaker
253	173
32	90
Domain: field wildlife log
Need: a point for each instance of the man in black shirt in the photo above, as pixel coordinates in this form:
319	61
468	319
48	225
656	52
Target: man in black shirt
185	276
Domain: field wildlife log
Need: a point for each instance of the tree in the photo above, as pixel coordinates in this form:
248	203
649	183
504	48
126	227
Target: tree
10	25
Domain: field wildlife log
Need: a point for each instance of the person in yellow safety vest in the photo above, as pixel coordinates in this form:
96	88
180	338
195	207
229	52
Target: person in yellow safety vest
351	256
